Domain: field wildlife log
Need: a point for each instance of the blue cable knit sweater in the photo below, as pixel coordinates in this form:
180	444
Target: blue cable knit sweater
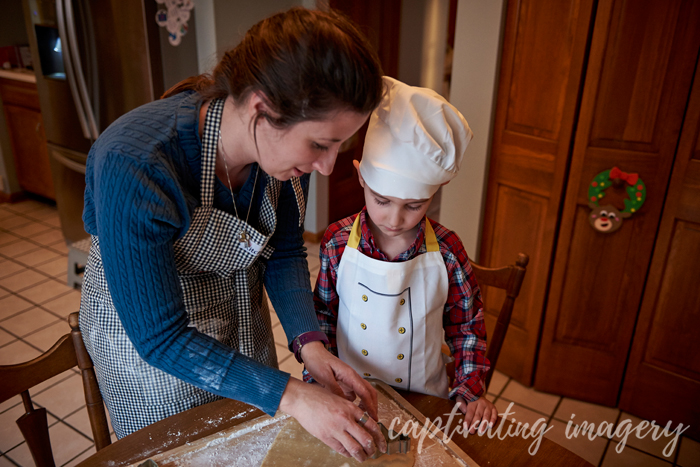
142	184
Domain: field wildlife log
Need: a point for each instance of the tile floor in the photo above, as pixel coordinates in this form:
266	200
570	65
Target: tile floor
35	302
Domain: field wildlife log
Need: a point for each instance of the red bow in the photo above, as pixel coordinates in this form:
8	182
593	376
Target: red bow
629	178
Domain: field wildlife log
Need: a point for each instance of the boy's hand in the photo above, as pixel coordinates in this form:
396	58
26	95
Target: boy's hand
479	414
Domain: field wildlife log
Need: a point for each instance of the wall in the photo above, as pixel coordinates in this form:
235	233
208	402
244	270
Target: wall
179	62
234	17
474	81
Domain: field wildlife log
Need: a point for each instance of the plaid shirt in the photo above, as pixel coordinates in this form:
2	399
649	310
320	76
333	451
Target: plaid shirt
463	316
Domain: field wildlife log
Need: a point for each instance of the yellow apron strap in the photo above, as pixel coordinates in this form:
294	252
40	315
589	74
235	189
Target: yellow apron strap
354	240
431	242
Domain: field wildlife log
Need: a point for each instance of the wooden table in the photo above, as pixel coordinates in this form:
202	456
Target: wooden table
211	418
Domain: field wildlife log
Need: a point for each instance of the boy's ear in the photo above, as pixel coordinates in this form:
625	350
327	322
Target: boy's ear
356	163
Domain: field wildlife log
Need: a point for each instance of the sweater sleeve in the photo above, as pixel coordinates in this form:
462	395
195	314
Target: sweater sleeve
140	211
287	280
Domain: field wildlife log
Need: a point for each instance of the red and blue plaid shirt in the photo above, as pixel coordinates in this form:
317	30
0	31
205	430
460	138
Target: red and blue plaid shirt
463	316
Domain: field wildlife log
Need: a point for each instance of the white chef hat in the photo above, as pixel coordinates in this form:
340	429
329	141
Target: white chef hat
415	142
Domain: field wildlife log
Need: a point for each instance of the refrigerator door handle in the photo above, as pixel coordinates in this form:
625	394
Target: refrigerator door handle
78	68
68	61
71	164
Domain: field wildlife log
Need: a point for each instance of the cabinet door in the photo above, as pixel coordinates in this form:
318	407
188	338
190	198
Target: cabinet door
638	81
662	381
31	156
541	67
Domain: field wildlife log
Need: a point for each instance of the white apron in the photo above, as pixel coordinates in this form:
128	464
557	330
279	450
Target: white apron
223	292
390	316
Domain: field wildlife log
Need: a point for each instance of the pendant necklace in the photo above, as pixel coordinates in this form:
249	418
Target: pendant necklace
243	237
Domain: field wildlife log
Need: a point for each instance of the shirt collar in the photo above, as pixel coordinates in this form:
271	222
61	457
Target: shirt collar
368	246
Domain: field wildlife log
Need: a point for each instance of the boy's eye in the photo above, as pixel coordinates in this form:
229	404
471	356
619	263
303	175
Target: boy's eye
380	202
315	145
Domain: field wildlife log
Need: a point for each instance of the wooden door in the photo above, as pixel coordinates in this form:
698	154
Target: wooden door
662	381
380	21
539	87
639	76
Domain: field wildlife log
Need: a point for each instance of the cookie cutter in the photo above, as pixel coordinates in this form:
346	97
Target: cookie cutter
396	443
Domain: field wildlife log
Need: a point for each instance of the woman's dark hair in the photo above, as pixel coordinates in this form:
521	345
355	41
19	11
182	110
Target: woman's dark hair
307	63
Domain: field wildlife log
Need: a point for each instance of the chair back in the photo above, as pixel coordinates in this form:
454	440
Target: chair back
68	352
509	279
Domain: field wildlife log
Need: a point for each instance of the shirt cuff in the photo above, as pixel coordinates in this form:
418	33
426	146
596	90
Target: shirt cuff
469	393
302	339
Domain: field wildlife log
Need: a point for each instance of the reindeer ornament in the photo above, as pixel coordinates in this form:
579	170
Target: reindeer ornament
608	218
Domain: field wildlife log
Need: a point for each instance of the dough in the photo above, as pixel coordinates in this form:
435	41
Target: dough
294	446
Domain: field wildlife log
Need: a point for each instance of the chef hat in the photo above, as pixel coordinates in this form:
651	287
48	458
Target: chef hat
415	142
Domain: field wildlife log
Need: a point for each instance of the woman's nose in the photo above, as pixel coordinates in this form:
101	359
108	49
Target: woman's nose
324	165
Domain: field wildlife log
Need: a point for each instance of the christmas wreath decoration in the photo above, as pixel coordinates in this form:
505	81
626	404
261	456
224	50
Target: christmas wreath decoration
608	218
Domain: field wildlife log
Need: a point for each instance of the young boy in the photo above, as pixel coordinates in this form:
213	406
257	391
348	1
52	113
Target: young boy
392	283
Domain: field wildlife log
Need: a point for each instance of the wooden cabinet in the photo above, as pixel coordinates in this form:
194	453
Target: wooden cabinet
27	138
586	86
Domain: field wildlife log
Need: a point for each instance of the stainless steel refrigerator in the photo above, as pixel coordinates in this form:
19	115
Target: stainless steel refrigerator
94	61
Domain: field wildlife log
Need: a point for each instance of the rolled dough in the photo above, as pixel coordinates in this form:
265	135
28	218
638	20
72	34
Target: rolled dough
294	446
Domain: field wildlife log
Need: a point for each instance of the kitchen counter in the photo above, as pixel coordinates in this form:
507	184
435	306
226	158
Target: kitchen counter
19	74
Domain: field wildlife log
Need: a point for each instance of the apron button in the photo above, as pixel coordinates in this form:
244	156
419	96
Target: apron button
367	374
363	325
364	352
402	330
364	298
402	301
398	380
400	356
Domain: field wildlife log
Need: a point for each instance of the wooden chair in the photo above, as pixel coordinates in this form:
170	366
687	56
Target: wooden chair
508	278
69	351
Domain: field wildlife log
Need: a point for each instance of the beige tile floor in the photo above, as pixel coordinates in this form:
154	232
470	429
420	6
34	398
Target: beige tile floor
35	301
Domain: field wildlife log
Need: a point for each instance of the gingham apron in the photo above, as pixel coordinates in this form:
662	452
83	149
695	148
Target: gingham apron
222	284
390	316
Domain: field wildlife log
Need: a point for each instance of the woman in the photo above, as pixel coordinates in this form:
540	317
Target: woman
194	202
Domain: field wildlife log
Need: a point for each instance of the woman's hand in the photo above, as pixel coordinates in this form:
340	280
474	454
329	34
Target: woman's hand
332	419
338	377
480	414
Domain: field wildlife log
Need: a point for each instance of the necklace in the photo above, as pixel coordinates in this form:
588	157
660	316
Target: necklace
243	237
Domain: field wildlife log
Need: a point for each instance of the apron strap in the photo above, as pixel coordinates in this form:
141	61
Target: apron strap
299	194
354	240
431	242
210	140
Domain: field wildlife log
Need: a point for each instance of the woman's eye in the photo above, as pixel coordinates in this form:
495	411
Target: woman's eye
380	202
413	208
319	147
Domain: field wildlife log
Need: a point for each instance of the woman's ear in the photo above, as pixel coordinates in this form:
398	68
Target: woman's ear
356	163
259	104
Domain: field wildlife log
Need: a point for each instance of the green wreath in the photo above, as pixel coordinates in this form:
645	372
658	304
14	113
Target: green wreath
636	190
